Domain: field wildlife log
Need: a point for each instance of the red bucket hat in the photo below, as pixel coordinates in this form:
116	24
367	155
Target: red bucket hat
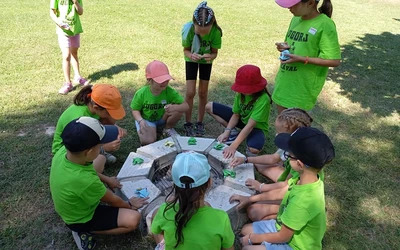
249	80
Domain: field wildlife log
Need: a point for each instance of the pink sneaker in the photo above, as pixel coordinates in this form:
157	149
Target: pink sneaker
67	87
81	81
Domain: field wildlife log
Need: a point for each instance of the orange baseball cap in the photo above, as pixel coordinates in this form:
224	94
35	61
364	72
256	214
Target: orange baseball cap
108	97
158	71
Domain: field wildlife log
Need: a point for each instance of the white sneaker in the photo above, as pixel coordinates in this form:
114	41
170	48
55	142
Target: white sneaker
170	132
110	159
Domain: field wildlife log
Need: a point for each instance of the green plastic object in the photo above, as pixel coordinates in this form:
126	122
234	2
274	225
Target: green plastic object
230	173
137	160
192	141
218	146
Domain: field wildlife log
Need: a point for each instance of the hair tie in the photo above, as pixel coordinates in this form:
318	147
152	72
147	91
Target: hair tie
89	95
210	13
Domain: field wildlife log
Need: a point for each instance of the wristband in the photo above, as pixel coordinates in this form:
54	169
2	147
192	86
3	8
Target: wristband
229	129
262	184
130	204
249	241
306	61
246	160
140	121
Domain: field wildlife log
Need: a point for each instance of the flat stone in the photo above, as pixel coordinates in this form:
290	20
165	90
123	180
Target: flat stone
129	188
157	149
130	170
243	172
201	144
218	155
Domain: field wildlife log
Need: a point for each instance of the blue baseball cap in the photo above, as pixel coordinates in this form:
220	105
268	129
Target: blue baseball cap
193	165
86	132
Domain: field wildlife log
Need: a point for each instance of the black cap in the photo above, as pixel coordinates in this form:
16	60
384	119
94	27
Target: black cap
86	132
309	145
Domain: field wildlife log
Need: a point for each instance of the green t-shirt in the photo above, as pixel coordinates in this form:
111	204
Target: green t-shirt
71	113
208	229
152	107
76	189
211	40
303	210
258	111
298	84
66	11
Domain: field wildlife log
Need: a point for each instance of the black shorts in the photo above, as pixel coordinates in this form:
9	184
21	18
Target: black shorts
104	218
203	68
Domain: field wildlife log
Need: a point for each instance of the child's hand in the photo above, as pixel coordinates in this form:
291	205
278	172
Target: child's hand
244	201
282	46
112	146
223	137
64	26
253	184
122	132
195	57
113	182
169	108
237	161
143	126
245	240
293	58
229	152
207	57
138	202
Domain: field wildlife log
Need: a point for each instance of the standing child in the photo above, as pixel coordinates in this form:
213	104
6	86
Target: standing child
250	112
102	102
301	221
157	106
76	189
187	221
313	44
274	166
201	39
65	13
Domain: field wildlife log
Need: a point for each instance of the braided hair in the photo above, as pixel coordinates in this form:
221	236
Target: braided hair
204	16
294	118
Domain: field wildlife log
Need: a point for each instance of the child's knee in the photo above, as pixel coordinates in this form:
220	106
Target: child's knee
209	107
247	229
190	94
133	220
253	213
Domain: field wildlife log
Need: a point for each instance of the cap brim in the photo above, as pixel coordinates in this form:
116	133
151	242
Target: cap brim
117	114
287	3
161	79
111	134
249	89
282	141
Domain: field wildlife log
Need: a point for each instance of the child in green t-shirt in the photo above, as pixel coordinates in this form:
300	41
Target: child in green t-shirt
301	220
250	112
157	107
201	40
186	220
274	166
76	189
65	14
313	44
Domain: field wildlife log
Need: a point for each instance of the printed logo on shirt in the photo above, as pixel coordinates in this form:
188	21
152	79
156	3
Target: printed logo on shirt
288	67
312	31
153	106
297	36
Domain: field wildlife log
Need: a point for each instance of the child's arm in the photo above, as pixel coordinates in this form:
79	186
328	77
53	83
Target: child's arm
194	57
138	117
183	107
283	236
231	124
262	159
116	201
78	7
230	151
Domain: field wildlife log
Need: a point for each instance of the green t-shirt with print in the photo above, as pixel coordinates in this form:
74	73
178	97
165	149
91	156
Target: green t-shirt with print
71	113
76	189
208	229
152	107
258	111
65	10
298	84
211	40
303	210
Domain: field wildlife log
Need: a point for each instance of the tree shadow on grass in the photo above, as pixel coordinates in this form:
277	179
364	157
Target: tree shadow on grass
368	73
113	70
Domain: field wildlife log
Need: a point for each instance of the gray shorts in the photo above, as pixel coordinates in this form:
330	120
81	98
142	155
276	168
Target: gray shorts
268	226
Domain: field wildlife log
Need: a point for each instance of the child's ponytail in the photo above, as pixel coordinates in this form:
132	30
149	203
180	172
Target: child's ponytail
83	96
326	8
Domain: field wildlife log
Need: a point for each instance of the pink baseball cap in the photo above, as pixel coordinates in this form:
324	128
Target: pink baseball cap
287	3
158	71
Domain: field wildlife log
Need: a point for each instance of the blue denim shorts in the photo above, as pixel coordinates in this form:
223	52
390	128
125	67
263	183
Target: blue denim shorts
155	124
268	226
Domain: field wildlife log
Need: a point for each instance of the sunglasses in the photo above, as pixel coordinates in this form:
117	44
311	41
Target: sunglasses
287	156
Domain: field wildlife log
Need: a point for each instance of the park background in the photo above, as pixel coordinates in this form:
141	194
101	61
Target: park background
358	107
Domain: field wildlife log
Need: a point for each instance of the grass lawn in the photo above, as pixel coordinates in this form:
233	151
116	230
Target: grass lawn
358	108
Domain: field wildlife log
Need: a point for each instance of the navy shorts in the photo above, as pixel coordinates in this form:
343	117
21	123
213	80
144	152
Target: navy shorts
104	218
203	68
256	138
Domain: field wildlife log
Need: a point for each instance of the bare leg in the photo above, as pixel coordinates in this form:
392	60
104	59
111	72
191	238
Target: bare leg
257	212
190	93
209	110
75	62
272	172
172	120
258	247
66	60
203	96
128	220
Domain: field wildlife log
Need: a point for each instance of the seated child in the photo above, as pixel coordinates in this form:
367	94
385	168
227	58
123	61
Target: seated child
301	220
102	102
250	112
77	190
274	166
186	220
157	107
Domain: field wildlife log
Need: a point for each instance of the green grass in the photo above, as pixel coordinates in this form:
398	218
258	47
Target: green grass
358	107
